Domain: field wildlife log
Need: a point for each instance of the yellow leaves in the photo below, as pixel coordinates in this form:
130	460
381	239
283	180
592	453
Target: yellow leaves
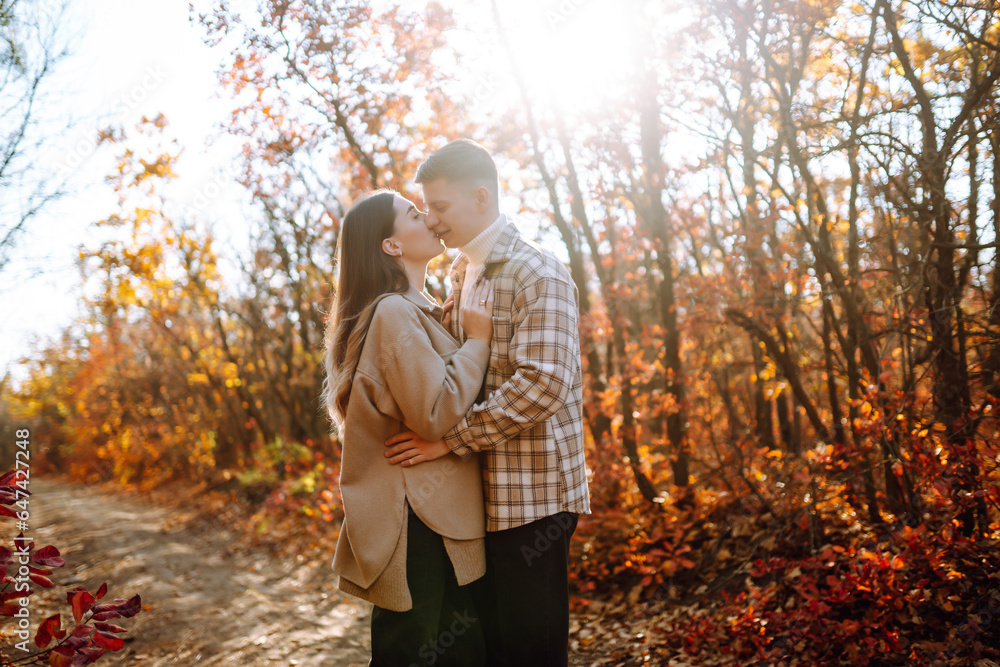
143	215
125	439
126	295
161	167
197	378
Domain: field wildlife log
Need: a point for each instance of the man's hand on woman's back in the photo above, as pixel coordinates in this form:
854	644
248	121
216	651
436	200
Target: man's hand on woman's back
409	449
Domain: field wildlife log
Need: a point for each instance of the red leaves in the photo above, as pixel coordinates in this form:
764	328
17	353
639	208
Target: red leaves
48	556
48	630
16	564
108	627
122	609
879	601
13	488
108	642
92	653
88	641
14	594
83	630
81	601
41	580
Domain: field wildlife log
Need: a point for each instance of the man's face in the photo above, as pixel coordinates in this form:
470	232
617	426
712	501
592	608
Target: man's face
452	212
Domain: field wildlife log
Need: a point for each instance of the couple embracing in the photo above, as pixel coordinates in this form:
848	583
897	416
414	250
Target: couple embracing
462	472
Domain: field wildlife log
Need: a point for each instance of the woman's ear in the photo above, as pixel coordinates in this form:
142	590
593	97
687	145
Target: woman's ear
391	247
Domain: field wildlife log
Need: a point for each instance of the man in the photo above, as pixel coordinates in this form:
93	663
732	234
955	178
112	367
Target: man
528	426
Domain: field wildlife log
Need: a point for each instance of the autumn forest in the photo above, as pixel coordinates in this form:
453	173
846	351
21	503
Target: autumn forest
782	218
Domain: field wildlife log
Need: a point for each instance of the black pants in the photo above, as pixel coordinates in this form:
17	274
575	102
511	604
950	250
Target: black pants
443	628
524	597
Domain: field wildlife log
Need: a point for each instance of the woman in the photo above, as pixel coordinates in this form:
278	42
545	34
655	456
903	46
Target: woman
412	537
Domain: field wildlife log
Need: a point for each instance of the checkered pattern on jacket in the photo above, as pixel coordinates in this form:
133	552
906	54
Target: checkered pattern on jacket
529	422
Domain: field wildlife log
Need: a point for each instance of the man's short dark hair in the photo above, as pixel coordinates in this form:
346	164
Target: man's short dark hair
462	160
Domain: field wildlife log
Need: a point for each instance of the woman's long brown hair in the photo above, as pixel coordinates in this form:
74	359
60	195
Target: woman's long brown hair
366	274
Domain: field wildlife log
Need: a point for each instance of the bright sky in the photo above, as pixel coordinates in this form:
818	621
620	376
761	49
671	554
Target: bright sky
143	57
132	58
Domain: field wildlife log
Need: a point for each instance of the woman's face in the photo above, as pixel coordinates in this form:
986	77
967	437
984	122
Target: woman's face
410	234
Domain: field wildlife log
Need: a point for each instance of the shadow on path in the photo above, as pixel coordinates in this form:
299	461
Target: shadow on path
202	605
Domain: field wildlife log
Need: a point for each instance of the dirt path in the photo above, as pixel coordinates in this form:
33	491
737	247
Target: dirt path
203	604
208	600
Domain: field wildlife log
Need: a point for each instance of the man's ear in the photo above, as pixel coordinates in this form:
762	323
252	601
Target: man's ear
481	197
391	247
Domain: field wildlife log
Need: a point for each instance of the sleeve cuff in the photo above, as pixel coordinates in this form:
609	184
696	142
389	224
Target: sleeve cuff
478	350
454	441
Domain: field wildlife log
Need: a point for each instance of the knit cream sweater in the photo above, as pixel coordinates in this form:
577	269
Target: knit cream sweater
411	375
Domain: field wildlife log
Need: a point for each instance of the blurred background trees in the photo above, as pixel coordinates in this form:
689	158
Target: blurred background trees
783	220
33	40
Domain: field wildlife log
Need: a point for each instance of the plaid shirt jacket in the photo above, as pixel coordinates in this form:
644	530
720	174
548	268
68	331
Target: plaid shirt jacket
528	425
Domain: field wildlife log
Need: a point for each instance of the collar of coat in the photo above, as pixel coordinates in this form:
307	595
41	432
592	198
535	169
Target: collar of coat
417	297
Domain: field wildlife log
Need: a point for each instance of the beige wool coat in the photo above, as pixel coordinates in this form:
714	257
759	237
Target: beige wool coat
412	374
